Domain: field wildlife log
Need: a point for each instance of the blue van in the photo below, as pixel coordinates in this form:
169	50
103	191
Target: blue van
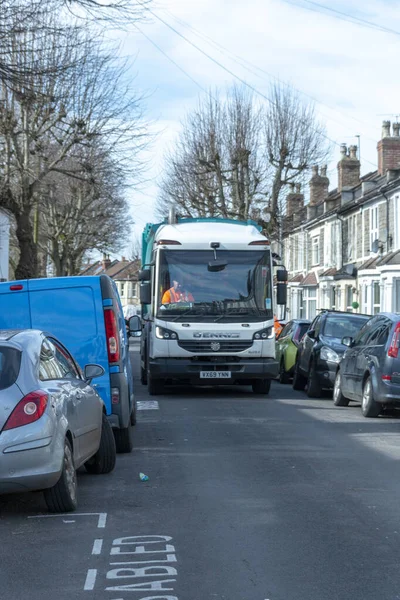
85	313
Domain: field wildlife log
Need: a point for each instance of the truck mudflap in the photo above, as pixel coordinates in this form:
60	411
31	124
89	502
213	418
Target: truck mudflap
195	371
120	416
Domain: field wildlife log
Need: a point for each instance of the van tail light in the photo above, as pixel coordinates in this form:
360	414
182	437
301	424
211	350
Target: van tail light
28	410
112	335
395	343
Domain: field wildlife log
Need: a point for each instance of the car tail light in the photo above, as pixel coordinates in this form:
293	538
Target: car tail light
112	335
395	343
28	410
114	395
386	378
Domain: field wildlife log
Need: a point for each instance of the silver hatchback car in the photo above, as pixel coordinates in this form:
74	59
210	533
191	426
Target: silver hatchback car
51	420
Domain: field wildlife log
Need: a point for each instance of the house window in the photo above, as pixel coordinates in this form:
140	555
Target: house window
310	297
397	221
376	297
300	304
349	298
352	236
295	253
122	289
315	250
365	299
333	298
134	290
396	302
373	225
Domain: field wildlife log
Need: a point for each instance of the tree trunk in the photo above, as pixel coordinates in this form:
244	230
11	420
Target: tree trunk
28	264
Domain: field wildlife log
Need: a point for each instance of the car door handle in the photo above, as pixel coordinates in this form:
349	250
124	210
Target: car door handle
78	396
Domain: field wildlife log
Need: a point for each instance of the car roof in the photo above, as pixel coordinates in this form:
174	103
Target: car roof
326	311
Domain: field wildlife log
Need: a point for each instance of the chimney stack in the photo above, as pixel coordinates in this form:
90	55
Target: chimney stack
389	149
319	185
106	262
294	200
348	168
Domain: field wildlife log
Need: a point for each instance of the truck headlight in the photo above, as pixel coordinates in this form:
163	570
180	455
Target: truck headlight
329	355
264	334
165	334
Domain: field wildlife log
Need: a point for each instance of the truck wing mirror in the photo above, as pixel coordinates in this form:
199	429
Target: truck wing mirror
144	275
145	293
281	275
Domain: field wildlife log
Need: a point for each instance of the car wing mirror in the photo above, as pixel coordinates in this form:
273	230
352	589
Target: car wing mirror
311	334
93	371
347	341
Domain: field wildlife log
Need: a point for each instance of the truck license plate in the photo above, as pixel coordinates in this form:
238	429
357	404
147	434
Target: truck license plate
215	374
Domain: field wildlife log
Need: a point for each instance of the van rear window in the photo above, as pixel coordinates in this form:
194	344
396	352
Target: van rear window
10	363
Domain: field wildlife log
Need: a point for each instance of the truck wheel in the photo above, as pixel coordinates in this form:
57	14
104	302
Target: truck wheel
369	406
154	386
63	496
104	459
123	440
261	386
299	381
338	398
283	376
313	386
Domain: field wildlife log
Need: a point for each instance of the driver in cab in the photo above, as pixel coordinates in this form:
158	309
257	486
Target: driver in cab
176	294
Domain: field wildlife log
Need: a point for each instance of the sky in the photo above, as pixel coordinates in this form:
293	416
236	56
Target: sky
349	71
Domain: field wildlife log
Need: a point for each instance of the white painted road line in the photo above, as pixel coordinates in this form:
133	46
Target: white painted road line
97	546
100	524
147	405
90	579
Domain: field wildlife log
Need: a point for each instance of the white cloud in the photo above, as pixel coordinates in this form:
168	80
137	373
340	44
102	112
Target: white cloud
351	69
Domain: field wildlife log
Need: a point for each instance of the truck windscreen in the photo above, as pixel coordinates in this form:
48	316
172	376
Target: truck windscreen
233	285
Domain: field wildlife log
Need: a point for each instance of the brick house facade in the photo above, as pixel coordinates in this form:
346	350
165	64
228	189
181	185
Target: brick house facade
342	249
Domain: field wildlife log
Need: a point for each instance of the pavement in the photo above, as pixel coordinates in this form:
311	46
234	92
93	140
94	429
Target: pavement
248	498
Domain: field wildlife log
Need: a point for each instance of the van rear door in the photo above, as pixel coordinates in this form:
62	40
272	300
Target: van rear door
71	309
14	305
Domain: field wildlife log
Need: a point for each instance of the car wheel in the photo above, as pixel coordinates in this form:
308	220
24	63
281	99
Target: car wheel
313	387
299	381
133	415
63	496
338	398
369	407
155	386
283	376
104	459
143	376
123	440
261	386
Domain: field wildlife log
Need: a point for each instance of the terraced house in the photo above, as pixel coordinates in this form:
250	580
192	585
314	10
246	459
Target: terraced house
342	249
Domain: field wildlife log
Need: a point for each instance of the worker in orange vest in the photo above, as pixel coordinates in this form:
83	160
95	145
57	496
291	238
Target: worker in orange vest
277	326
176	294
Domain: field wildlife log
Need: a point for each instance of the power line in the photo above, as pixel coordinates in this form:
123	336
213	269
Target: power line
221	65
240	60
342	16
170	59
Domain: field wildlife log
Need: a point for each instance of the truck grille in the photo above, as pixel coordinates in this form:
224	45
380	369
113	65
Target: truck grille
215	346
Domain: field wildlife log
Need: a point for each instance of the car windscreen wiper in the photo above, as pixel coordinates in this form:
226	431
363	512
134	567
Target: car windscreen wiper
245	312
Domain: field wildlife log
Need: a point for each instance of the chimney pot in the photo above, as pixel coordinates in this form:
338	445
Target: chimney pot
396	129
324	170
385	129
314	170
343	150
353	152
298	188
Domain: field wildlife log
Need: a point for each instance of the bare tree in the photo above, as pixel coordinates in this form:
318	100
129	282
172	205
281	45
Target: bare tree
216	167
47	132
234	158
294	141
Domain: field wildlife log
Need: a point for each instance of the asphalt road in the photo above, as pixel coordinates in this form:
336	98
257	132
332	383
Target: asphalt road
248	498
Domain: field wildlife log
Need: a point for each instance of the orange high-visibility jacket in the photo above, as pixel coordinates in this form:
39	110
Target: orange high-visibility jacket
172	295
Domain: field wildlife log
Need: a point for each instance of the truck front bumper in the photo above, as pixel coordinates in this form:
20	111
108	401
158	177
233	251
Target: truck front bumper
242	370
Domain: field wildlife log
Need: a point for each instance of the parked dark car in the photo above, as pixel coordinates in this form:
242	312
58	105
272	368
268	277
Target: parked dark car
321	349
370	369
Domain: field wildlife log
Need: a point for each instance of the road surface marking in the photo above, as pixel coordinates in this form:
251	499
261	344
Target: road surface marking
97	546
101	522
147	405
90	579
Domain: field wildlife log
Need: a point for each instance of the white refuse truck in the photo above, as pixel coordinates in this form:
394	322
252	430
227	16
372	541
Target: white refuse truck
208	304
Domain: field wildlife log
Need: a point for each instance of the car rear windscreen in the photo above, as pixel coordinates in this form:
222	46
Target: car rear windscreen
10	362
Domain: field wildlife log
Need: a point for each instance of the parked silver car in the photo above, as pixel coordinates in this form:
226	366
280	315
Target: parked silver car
51	420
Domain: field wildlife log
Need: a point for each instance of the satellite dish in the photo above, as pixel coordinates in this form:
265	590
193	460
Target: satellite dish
375	246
